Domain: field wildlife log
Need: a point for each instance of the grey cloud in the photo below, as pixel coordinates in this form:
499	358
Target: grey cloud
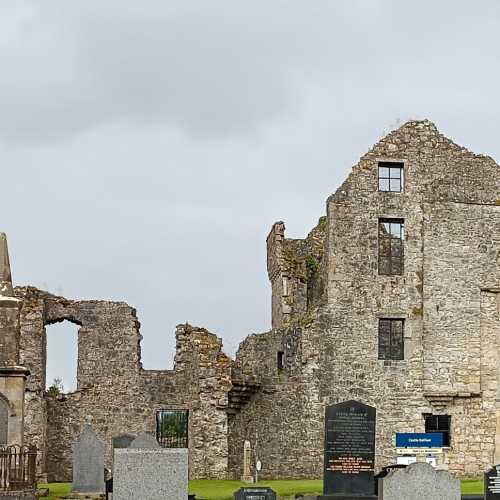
148	146
222	67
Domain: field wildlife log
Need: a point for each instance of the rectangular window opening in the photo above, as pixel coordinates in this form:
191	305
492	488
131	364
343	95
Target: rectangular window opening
391	235
391	339
281	360
172	428
439	423
390	176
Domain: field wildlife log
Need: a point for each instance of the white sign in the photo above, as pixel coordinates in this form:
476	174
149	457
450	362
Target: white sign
406	460
258	465
418	451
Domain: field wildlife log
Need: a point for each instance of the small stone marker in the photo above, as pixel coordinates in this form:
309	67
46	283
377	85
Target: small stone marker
255	494
349	451
492	483
145	441
122	441
88	462
152	474
247	458
419	481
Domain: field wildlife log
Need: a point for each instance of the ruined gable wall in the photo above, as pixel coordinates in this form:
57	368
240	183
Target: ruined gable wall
358	296
113	388
202	366
339	342
281	419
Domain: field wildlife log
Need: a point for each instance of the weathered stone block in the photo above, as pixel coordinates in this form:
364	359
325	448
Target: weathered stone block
152	474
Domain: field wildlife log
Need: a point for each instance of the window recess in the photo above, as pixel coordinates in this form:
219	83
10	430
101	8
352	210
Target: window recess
391	235
390	176
391	339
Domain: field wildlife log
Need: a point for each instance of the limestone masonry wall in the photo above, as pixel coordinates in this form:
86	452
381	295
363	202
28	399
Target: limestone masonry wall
327	299
113	388
447	296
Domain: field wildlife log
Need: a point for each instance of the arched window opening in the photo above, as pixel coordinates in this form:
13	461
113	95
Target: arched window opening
62	357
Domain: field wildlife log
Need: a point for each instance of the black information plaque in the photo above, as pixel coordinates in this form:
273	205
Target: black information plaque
492	483
349	449
255	494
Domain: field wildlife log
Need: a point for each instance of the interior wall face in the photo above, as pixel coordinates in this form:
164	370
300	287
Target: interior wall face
113	389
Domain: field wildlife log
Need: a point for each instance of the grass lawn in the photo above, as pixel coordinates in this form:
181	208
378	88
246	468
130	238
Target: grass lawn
224	490
473	486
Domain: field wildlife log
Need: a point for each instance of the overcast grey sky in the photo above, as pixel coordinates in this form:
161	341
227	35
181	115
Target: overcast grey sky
147	147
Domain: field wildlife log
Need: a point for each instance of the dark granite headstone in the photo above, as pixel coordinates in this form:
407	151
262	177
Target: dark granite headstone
255	493
492	483
349	451
122	441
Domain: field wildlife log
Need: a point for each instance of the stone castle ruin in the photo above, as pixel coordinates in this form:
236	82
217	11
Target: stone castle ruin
392	299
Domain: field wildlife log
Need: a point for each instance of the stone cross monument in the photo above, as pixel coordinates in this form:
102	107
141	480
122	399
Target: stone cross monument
12	376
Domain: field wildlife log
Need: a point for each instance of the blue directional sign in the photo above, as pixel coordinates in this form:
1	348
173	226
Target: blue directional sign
419	440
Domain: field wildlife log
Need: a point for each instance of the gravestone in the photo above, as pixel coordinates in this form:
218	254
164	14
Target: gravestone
419	481
88	462
385	471
122	441
492	483
255	494
145	441
247	465
152	474
349	451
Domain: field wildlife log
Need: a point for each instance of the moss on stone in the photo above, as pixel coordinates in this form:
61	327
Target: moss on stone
417	311
312	264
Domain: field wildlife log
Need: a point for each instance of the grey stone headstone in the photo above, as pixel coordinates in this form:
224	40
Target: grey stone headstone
4	422
88	462
418	481
148	473
122	441
145	441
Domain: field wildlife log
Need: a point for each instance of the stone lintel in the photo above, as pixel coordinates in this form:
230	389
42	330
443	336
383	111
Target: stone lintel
449	396
9	301
14	371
